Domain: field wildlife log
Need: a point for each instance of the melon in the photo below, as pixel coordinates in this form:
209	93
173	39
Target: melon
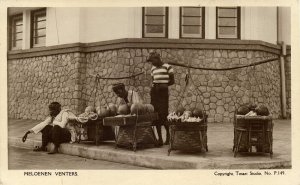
113	109
243	110
188	113
197	113
103	112
123	109
179	111
136	108
89	109
262	111
252	106
149	108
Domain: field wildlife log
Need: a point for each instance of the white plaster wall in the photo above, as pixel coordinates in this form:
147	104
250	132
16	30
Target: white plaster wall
174	22
210	22
284	21
62	26
260	23
108	23
71	25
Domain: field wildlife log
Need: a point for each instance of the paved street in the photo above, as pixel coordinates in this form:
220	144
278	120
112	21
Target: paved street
220	155
20	159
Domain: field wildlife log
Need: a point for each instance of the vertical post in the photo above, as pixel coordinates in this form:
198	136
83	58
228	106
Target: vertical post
283	81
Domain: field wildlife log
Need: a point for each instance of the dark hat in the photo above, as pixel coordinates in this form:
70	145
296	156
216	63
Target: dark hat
118	86
153	55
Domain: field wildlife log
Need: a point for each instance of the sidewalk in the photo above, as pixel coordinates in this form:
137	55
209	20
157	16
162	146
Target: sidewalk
219	156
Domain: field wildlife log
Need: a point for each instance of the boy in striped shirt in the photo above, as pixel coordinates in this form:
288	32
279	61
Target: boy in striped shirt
162	77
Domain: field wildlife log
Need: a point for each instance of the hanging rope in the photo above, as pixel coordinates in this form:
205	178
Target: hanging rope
226	69
116	78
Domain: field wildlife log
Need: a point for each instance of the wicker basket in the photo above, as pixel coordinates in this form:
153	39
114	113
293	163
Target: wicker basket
188	136
253	131
134	131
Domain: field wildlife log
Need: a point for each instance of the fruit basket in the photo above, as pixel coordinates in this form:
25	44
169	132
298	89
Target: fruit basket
133	131
253	130
188	136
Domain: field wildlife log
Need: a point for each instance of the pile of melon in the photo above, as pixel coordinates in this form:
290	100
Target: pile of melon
182	115
124	109
253	110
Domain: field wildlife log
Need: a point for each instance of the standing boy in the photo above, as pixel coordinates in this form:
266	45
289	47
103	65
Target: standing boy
162	77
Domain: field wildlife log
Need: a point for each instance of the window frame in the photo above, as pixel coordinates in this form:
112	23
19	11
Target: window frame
238	17
11	31
181	34
32	16
166	34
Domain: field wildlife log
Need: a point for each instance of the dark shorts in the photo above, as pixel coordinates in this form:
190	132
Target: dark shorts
160	101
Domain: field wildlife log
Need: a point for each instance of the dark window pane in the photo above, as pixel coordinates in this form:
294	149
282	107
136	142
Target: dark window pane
41	24
191	11
227	22
18	44
227	30
191	29
154	29
19	28
227	12
155	11
40	32
39	40
18	36
18	22
40	17
154	19
191	21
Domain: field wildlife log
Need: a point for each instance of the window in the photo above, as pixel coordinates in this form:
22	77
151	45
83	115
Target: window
16	32
228	22
38	28
155	22
192	22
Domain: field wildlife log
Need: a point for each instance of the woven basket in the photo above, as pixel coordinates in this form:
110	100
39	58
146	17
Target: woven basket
144	136
256	121
186	136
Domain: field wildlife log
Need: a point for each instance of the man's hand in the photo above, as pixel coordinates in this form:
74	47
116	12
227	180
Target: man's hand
25	136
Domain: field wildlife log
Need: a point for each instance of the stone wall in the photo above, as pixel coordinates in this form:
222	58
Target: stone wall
35	82
218	92
69	78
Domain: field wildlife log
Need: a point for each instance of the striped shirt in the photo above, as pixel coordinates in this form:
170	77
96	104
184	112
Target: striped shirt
161	74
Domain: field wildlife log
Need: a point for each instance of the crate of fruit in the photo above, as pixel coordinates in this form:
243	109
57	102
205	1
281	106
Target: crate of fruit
188	130
253	126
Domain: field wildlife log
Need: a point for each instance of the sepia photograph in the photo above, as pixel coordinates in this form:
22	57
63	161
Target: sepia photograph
149	88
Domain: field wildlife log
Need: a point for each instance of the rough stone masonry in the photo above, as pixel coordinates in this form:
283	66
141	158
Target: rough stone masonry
34	82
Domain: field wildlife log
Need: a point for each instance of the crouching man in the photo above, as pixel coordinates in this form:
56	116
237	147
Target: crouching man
53	129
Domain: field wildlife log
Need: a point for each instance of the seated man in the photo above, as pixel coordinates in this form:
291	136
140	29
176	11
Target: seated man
124	96
53	129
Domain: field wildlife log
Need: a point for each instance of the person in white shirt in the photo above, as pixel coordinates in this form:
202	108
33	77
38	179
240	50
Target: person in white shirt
53	129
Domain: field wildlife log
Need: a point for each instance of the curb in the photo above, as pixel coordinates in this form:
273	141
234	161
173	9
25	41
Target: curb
146	159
